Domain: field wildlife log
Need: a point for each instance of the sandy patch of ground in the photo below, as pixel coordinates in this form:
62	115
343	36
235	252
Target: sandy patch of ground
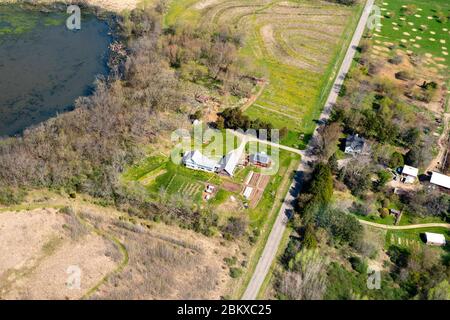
203	4
422	72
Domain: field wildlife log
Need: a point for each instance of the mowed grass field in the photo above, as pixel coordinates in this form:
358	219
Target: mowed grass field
297	46
413	237
417	30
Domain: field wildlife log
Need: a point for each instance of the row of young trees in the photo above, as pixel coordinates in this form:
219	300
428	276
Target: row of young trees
305	274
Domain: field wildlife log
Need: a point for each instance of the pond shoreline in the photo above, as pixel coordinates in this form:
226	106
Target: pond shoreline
112	61
111	6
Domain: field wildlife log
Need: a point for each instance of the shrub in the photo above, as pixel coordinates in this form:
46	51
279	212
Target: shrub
235	272
236	227
384	212
11	196
230	261
397	59
404	75
358	264
396	160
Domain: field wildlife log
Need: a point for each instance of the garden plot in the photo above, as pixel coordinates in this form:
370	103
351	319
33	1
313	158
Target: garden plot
258	182
185	187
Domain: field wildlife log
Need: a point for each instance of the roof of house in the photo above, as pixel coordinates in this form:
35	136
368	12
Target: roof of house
198	158
230	161
260	157
410	171
355	143
435	237
440	180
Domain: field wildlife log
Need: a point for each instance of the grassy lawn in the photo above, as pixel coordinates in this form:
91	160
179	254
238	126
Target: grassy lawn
411	237
295	97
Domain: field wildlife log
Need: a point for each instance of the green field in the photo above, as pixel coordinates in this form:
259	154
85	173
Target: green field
411	237
418	30
416	27
297	46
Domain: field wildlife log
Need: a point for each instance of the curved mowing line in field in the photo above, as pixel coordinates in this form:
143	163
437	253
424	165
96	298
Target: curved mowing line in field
293	44
121	266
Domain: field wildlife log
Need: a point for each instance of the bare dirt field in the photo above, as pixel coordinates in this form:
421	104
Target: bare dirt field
259	183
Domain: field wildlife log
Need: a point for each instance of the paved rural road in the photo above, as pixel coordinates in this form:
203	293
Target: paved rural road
286	210
410	226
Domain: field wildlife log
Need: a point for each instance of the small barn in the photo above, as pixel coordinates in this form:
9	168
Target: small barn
260	159
435	239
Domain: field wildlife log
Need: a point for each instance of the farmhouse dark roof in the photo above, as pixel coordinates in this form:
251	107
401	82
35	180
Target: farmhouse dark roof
260	158
354	143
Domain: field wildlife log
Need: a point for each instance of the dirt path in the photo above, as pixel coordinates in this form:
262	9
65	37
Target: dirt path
248	138
438	161
411	226
254	97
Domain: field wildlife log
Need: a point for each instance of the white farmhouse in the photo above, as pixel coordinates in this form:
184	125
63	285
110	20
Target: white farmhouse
197	161
229	162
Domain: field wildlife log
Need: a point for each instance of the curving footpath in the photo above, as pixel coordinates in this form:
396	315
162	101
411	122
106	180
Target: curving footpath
410	226
287	208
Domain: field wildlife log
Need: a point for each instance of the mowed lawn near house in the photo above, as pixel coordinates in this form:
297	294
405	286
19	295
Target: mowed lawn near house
297	46
160	175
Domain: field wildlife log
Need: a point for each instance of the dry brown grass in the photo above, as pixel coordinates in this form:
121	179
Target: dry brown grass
37	249
165	262
164	266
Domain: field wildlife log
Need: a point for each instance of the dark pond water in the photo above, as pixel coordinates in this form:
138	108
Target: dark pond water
44	66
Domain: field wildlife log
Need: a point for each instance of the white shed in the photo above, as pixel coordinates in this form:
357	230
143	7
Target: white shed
248	192
435	239
410	171
440	179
